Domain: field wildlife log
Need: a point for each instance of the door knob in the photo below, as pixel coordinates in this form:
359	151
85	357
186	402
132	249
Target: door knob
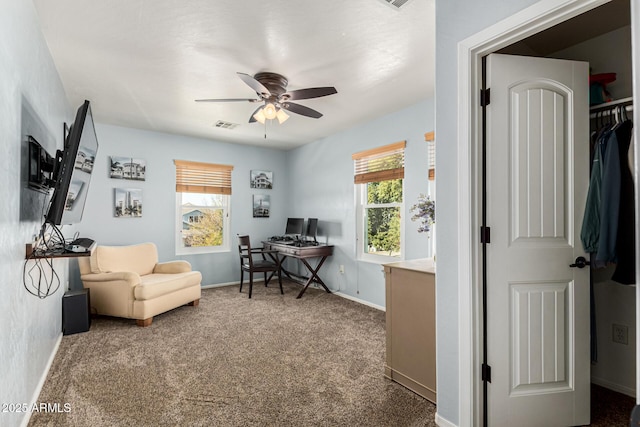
580	262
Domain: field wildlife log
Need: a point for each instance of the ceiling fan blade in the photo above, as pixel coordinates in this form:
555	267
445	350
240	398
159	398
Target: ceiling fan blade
314	92
228	100
301	109
255	85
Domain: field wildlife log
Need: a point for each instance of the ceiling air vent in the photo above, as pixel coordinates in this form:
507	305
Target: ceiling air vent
225	125
396	4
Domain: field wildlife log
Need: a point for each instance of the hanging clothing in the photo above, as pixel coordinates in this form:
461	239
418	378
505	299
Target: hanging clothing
625	272
608	226
609	201
590	232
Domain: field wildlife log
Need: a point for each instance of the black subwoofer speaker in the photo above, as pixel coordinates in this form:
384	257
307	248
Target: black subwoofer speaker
76	312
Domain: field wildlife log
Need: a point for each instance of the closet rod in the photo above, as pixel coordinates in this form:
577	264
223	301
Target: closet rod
609	107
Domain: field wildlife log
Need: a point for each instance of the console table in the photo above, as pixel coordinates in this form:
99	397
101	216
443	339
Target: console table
303	253
411	325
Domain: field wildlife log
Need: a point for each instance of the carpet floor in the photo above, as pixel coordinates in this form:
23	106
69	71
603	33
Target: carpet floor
271	360
609	408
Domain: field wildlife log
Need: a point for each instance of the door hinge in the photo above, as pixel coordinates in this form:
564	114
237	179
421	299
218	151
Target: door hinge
485	234
486	373
485	97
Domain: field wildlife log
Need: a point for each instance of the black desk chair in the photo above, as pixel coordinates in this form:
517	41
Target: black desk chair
248	264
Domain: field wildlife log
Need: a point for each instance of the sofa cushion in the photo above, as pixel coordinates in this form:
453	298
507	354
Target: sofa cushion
140	259
155	285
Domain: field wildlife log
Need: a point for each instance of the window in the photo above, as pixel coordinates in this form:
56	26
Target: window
378	176
203	192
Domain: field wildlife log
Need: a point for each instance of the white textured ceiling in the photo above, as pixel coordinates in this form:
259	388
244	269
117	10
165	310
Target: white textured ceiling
142	63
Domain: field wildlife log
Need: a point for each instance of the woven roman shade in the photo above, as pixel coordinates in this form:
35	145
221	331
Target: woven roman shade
379	164
208	178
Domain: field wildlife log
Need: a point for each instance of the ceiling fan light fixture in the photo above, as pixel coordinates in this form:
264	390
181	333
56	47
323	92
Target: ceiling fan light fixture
282	116
269	111
259	116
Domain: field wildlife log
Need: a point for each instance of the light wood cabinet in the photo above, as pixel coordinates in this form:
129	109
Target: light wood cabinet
411	325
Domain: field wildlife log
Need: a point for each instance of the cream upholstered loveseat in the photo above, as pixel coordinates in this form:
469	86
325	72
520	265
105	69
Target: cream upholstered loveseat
128	281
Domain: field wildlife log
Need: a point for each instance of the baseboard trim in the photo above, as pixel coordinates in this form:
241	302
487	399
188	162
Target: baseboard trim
43	378
340	294
361	301
220	285
443	422
613	386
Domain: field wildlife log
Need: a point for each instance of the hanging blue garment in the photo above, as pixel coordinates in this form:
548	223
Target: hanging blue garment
590	231
609	202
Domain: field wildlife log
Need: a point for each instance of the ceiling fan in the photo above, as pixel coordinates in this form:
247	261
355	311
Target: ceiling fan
271	89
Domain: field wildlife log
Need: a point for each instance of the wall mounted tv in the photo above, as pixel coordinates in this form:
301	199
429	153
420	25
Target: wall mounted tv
73	169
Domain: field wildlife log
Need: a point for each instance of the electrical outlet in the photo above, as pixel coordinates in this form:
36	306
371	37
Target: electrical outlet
621	334
341	269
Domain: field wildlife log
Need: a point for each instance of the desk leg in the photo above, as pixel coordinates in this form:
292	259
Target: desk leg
278	261
283	270
314	276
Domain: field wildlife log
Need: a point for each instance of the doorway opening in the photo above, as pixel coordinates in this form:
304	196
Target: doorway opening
602	37
561	32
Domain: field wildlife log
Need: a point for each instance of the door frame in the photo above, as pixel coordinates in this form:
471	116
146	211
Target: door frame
531	20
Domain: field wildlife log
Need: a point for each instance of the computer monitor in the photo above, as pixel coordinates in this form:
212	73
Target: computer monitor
312	228
294	226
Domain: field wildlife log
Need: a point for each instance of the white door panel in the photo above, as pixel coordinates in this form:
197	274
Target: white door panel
537	178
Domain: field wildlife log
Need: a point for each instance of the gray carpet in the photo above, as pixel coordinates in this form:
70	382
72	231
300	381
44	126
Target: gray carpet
272	360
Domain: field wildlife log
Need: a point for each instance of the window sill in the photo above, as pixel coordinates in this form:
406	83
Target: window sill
377	259
201	251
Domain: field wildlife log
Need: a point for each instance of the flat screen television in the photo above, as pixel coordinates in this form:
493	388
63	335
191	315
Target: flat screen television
294	226
312	228
73	169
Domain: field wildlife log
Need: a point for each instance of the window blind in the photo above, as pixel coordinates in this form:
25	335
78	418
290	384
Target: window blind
430	137
208	178
379	164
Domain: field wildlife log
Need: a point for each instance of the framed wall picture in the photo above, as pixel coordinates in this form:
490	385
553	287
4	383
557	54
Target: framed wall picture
128	168
127	202
261	205
261	179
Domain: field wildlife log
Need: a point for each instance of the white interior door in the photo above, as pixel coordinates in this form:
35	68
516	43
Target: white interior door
537	179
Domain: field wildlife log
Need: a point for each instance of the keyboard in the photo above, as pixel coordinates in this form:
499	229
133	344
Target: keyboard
281	239
283	242
305	243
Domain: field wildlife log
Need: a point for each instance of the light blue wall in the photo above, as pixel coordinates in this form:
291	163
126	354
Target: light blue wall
32	100
158	221
321	186
455	21
315	180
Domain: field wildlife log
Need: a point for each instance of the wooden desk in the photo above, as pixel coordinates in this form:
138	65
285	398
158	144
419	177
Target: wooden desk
303	253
